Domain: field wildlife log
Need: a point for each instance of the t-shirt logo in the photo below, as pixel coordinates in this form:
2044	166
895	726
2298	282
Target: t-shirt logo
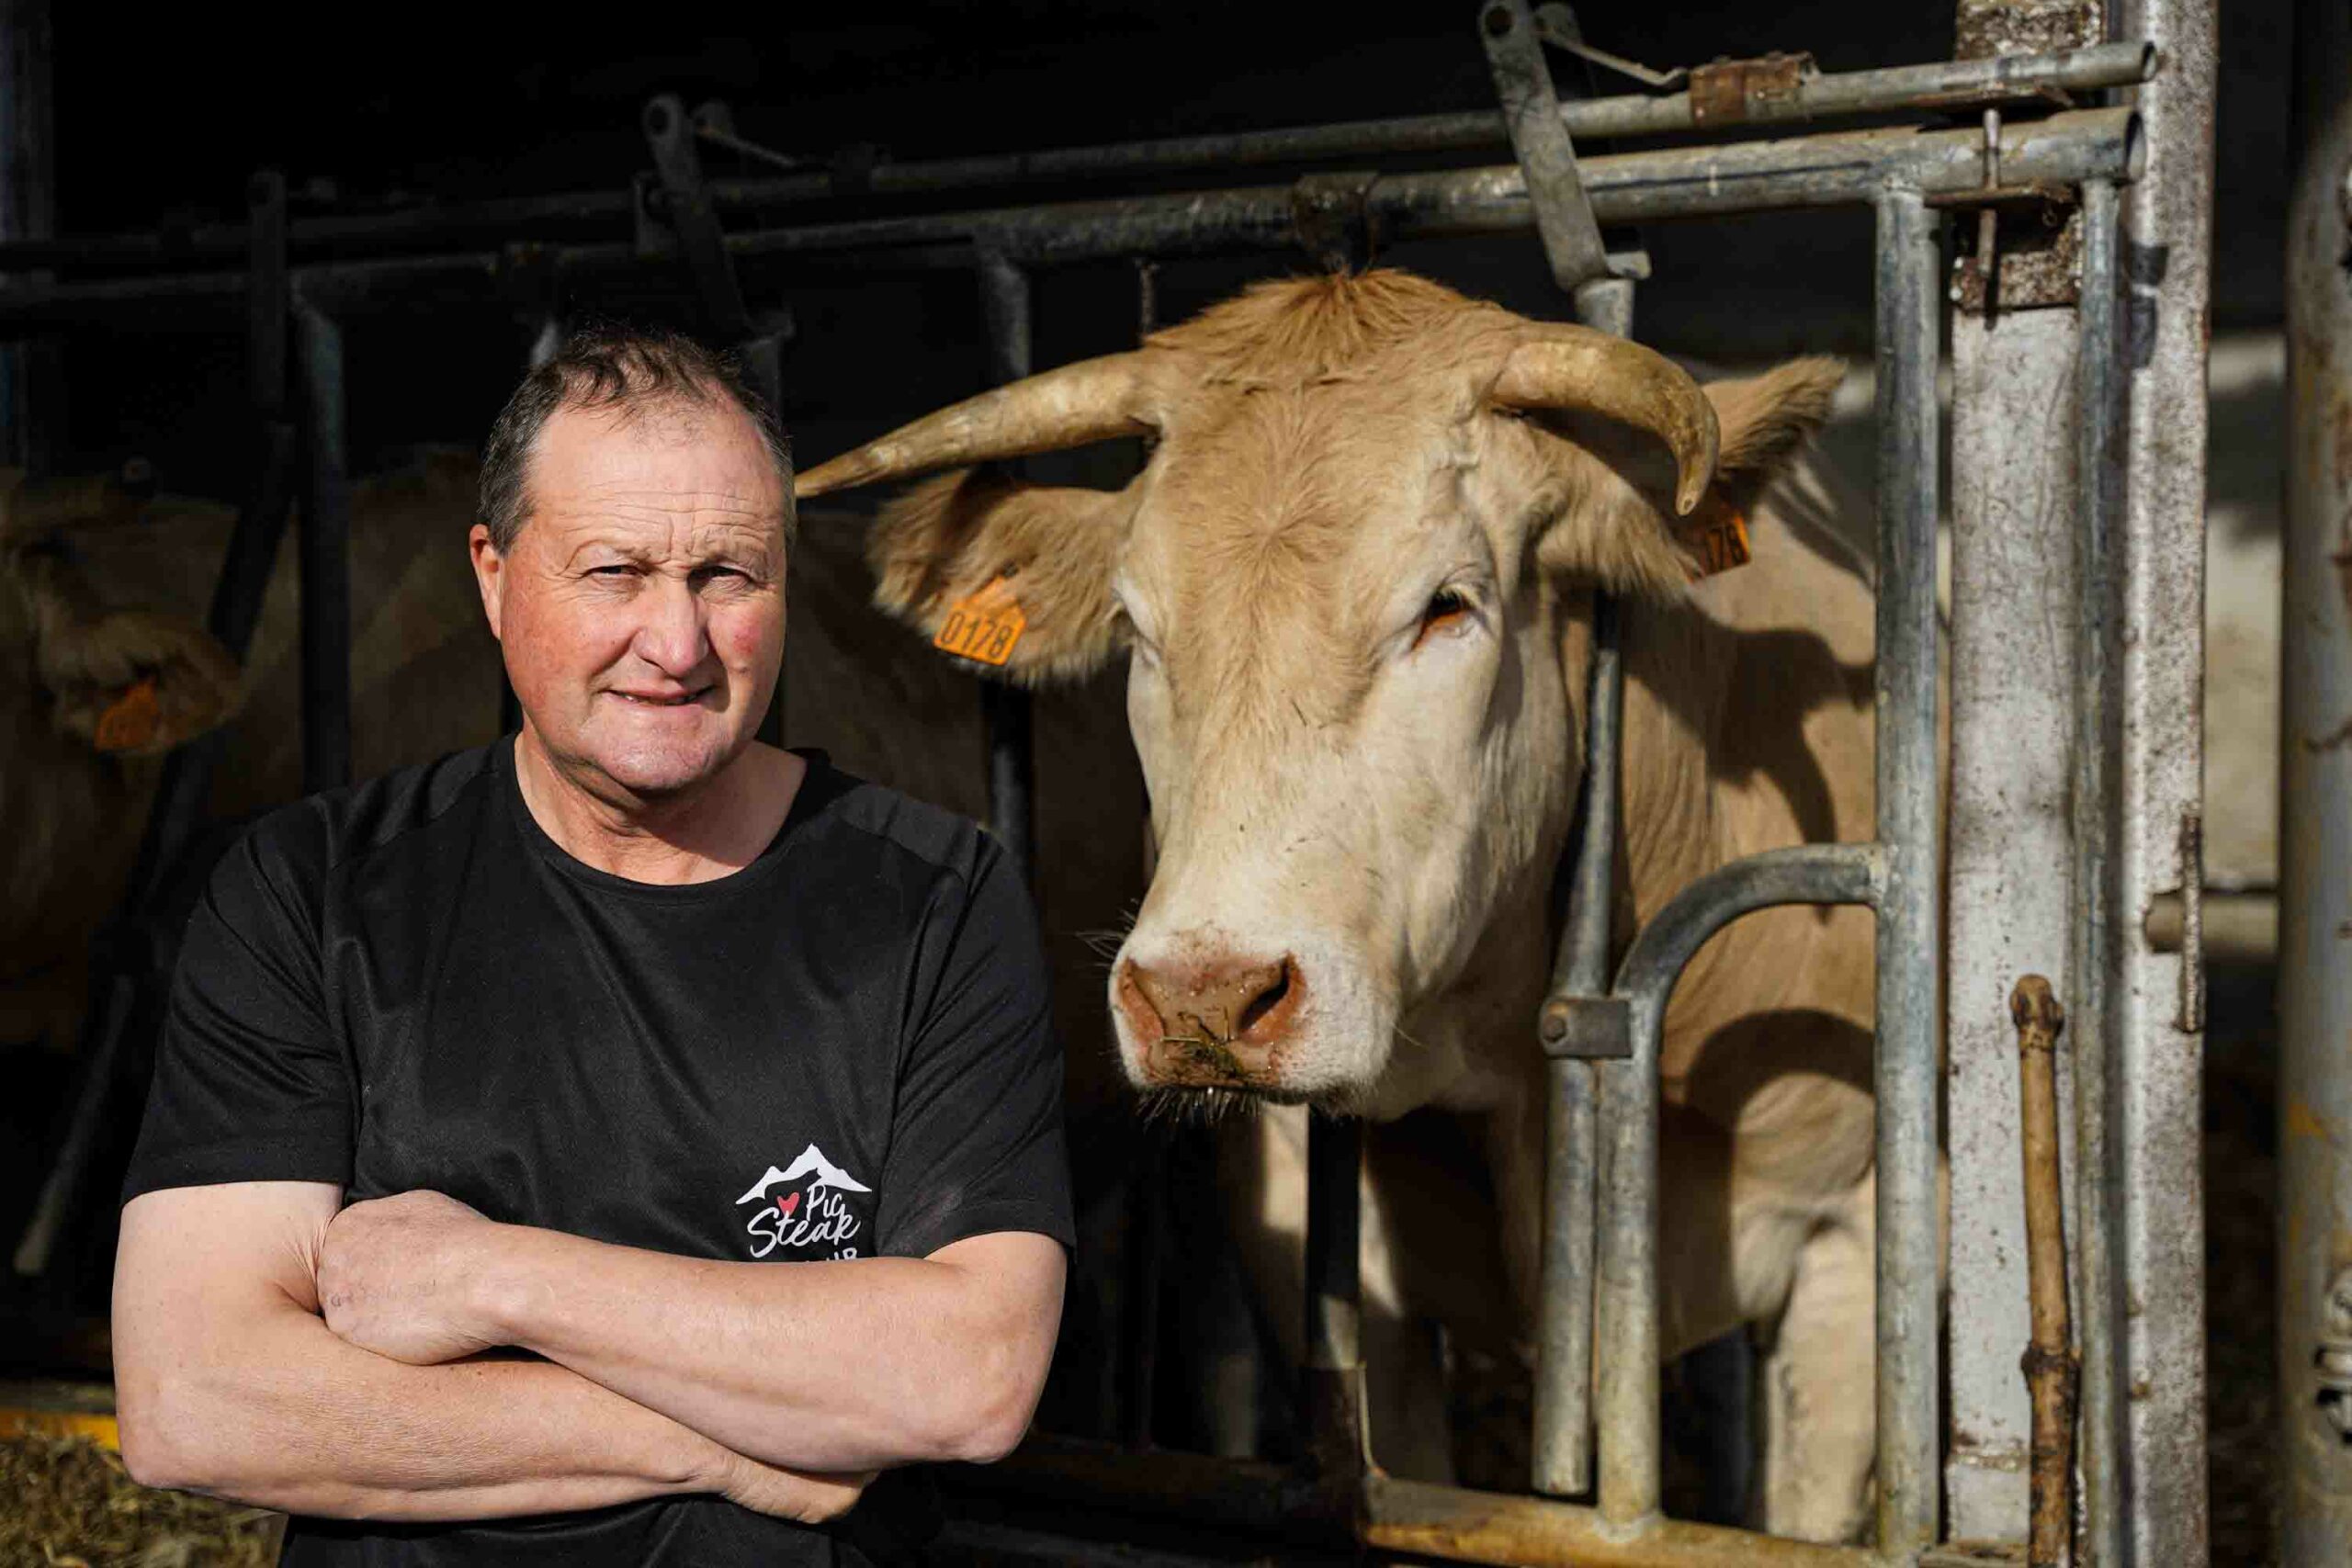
815	1215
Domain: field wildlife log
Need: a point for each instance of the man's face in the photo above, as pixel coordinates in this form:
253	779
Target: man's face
640	608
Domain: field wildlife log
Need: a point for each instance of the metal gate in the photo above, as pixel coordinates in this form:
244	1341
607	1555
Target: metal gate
2075	719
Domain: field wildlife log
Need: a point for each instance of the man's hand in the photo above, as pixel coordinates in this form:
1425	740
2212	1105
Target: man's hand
799	1496
396	1277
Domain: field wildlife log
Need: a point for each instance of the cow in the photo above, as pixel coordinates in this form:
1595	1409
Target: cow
92	693
1353	584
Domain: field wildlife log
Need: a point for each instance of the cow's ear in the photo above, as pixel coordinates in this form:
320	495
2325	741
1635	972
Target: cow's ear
940	545
1616	524
1766	420
134	683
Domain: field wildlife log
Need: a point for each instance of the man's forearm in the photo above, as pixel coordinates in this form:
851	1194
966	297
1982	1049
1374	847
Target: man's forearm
852	1365
297	1419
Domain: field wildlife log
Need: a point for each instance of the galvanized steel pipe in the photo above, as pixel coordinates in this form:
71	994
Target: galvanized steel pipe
323	553
1910	992
1626	1383
2315	813
1844	169
2154	1033
1004	707
1941	86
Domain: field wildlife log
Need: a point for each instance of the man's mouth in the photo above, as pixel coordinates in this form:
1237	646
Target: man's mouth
659	699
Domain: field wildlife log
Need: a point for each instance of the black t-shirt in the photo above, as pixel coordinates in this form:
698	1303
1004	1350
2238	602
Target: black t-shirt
841	1050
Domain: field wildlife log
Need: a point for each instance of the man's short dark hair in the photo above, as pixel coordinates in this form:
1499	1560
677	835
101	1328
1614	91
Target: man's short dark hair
625	368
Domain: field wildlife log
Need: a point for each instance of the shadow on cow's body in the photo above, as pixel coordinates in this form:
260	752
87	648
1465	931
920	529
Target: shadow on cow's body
1354	586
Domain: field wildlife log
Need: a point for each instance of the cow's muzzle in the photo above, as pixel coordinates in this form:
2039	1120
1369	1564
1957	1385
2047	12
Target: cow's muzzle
1214	1023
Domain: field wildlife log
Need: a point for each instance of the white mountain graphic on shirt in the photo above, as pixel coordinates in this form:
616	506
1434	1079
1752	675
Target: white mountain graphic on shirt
810	1158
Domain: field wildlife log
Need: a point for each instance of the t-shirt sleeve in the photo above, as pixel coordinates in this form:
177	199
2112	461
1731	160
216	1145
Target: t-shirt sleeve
976	1138
251	1081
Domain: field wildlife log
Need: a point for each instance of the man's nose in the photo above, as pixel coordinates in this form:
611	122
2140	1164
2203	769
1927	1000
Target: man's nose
673	633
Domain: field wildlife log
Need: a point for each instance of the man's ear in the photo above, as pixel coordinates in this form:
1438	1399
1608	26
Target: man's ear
135	682
1616	526
951	536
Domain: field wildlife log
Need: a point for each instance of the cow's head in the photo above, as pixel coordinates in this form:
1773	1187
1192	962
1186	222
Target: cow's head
121	680
1354	578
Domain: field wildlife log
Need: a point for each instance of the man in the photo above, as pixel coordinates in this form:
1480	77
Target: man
493	1094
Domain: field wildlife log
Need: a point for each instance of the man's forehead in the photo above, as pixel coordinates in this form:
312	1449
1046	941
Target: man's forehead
706	462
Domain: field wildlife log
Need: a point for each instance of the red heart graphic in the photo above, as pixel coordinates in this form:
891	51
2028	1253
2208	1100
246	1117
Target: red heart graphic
786	1206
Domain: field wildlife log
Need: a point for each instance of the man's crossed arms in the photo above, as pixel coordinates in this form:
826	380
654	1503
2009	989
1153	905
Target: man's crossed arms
275	1347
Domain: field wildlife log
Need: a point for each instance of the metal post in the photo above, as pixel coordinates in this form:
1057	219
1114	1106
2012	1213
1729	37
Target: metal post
2315	820
2091	953
2155	1382
27	211
1332	1386
1562	1445
1562	1460
2013	494
1909	830
1004	708
324	555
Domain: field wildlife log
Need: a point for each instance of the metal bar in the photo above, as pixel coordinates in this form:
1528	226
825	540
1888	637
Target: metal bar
324	555
2090	959
1909	830
1539	140
1004	708
1934	87
2014	505
29	374
1562	1460
102	1055
2165	247
1626	1392
1562	1446
1416	1519
1334	1307
2315	814
1847	168
687	210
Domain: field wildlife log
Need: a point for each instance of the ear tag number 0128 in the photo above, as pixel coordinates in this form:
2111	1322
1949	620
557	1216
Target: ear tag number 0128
983	626
1717	534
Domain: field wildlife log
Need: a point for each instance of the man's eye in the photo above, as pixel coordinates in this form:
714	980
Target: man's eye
616	569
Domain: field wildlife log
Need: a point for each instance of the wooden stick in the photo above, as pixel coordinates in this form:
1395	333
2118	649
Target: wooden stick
2051	1367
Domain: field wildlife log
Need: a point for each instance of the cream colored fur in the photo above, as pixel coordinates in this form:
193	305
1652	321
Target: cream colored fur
1387	812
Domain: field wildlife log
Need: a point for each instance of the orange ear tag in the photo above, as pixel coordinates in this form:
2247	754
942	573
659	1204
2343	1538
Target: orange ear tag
128	723
983	626
1717	534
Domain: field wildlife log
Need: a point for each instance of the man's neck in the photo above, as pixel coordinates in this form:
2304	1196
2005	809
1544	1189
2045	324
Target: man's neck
695	835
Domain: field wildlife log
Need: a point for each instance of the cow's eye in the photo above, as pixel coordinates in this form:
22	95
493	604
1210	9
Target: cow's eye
1448	610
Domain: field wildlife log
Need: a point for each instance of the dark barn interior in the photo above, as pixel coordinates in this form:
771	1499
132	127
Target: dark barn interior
424	118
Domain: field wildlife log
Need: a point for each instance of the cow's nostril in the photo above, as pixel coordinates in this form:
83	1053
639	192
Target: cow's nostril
1265	1001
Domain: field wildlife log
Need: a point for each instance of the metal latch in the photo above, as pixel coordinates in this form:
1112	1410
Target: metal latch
1727	91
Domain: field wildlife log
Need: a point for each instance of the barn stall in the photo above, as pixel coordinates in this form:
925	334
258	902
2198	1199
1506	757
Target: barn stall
2064	154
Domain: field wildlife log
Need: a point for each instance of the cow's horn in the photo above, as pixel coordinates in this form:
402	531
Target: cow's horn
1092	401
1566	366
